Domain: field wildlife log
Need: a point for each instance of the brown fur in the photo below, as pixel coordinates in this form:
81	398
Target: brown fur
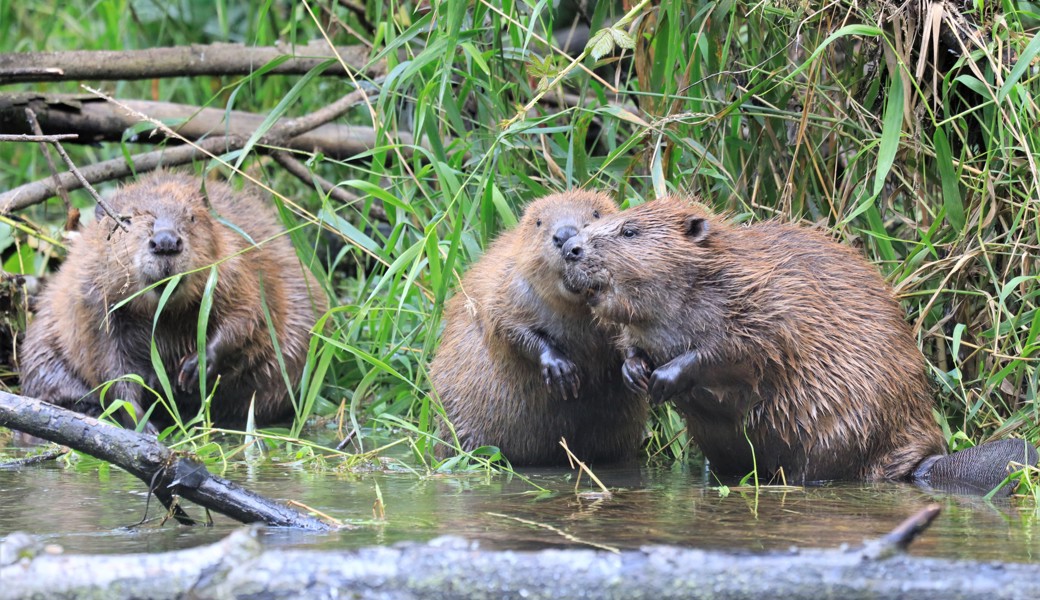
487	370
75	343
798	341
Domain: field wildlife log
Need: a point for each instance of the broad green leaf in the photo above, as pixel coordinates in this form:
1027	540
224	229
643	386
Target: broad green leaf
891	129
1024	61
950	186
601	44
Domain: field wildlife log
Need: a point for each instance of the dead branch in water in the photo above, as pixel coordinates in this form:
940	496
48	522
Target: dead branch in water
168	474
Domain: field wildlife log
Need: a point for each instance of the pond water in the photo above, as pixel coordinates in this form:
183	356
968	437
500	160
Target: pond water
89	511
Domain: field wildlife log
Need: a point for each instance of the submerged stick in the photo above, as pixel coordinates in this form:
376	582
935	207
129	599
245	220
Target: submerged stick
18	463
165	472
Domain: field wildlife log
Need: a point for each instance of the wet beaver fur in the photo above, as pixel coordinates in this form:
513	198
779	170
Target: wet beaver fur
521	361
80	339
770	333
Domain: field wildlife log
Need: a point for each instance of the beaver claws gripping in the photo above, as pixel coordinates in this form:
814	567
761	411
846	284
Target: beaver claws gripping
560	374
188	376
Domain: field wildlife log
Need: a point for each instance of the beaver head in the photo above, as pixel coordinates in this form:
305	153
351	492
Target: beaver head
627	264
169	231
547	224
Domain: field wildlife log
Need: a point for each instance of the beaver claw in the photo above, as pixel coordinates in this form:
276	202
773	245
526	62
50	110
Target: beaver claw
636	371
559	374
188	375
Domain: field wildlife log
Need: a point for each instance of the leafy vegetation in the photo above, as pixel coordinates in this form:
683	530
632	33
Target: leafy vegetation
914	143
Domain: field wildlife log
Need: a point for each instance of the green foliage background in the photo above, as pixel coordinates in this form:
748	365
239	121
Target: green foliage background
844	115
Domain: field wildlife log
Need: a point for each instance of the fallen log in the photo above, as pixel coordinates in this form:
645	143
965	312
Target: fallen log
166	473
97	120
181	61
240	567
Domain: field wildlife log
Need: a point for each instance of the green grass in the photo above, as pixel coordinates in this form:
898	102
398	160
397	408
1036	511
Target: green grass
766	110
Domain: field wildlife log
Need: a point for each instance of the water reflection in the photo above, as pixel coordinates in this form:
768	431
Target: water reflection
87	511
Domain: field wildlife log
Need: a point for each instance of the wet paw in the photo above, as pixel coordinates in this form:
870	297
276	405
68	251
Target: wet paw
188	374
636	371
560	375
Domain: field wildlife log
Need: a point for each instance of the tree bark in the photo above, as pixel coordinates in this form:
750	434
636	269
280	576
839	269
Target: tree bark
180	61
239	567
165	472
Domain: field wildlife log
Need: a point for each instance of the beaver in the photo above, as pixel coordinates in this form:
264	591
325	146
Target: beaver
97	316
521	361
782	348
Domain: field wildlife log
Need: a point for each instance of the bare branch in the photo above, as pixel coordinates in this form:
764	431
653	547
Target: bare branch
141	455
97	120
38	138
79	176
180	61
71	212
117	168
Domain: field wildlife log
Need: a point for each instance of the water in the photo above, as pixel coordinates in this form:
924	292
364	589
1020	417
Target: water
89	511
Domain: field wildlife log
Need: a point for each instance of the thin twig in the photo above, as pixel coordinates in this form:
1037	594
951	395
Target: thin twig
582	467
359	12
364	23
37	138
117	168
71	219
86	184
558	531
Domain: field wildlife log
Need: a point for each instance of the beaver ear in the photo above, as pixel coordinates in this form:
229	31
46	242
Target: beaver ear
696	228
99	212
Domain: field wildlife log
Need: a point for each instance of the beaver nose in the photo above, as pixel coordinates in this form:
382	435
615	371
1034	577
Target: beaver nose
572	250
165	242
563	234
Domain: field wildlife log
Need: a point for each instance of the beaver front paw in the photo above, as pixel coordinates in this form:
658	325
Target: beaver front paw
559	374
673	378
188	375
636	371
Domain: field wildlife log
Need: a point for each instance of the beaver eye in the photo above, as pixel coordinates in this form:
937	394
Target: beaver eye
193	218
629	232
538	223
595	214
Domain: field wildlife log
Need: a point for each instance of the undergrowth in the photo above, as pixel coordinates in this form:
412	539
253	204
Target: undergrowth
918	146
